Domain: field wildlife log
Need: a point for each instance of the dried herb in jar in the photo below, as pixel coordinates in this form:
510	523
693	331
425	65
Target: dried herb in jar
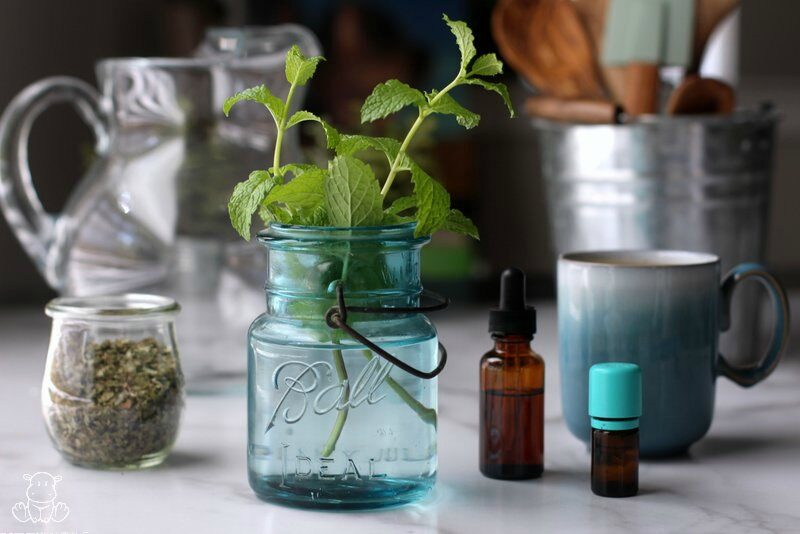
115	403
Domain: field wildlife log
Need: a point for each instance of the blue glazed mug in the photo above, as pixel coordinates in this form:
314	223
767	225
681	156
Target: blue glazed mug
663	310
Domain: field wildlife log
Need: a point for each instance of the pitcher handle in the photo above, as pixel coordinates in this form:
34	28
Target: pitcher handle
34	227
747	376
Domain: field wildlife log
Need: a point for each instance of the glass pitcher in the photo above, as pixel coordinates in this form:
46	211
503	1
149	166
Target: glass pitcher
150	215
332	423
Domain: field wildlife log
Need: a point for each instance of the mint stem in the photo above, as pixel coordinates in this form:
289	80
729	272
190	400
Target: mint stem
423	114
341	373
428	415
341	417
276	158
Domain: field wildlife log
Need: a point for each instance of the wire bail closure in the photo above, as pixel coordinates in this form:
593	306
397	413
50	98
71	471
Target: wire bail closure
336	317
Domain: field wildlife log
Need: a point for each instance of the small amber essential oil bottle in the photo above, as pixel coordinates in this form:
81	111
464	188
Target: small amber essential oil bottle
615	405
512	389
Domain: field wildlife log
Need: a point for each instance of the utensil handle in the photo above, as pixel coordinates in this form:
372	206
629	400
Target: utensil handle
747	376
34	227
641	90
580	111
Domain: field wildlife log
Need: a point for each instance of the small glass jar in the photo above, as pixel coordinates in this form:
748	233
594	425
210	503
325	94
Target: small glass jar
332	424
112	394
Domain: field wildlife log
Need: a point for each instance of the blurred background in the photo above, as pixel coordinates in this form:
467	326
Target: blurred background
492	172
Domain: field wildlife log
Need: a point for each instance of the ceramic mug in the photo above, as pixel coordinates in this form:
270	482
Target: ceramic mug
663	310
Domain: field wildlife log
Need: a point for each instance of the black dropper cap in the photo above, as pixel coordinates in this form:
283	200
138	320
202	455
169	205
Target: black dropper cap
513	316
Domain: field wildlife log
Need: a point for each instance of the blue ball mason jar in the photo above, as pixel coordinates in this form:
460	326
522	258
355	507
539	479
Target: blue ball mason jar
331	424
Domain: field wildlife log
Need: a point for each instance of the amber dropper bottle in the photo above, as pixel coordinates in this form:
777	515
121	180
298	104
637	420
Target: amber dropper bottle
512	389
615	405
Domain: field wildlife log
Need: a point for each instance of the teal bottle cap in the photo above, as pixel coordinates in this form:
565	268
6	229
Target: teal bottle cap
615	395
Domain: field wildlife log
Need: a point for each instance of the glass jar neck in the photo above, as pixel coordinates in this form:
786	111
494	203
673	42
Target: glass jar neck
376	266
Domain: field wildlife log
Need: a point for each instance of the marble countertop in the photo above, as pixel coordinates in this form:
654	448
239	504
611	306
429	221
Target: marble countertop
743	477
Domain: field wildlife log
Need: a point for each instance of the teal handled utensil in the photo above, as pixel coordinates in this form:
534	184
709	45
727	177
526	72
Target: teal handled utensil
644	35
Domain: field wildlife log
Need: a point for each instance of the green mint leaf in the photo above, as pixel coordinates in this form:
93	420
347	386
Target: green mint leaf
318	217
295	169
301	116
261	95
401	204
486	65
247	197
459	223
447	105
389	97
300	69
391	218
433	202
303	194
275	213
266	214
498	88
464	39
331	134
352	195
352	144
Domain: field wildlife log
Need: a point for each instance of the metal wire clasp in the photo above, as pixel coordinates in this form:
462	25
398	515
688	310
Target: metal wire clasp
336	317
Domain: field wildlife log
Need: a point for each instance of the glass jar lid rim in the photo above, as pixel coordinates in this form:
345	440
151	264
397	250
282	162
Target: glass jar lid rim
132	305
402	232
375	228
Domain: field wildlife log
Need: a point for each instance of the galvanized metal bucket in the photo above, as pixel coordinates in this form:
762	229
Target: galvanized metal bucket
689	183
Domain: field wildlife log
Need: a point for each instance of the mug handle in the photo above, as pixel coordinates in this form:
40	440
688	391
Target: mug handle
750	375
35	228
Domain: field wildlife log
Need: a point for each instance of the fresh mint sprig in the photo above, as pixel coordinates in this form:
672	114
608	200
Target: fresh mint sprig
302	202
347	193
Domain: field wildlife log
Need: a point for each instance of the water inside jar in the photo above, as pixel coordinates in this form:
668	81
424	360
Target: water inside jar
386	452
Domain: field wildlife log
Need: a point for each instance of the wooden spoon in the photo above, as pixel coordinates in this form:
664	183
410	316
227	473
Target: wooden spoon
546	41
707	15
699	96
